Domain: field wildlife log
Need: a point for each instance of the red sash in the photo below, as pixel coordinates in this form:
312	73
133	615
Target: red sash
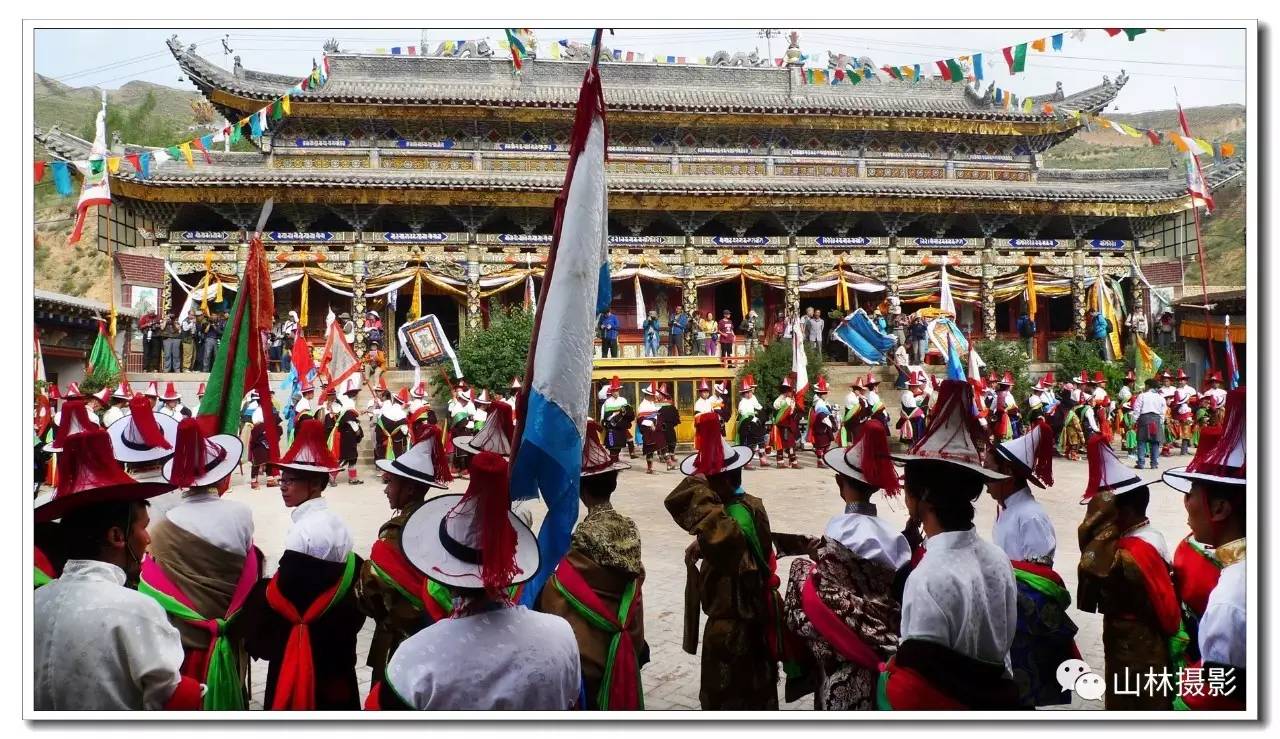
833	628
43	563
296	685
904	689
1195	575
1159	586
1203	701
623	665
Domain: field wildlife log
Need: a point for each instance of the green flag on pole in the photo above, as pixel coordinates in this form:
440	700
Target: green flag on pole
101	356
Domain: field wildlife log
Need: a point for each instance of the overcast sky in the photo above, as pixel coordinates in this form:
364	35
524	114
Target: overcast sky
1207	66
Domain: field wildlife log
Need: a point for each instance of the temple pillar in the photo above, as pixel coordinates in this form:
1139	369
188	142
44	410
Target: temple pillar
689	288
166	295
357	294
893	270
242	257
986	291
1078	298
474	322
792	284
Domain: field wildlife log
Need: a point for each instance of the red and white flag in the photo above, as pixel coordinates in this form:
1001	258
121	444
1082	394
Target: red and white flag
95	187
339	360
1197	188
799	366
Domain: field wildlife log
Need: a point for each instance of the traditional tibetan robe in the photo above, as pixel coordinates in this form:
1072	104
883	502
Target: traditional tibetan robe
1125	577
617	416
670	420
201	567
597	589
506	658
304	619
1045	635
390	433
852	416
392	592
846	609
1223	638
822	429
786	424
750	422
100	646
959	617
736	586
649	427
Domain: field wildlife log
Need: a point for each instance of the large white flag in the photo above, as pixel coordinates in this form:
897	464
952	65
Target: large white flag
641	313
799	366
95	187
339	360
947	304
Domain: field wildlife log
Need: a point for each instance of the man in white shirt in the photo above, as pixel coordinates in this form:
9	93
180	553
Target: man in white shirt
491	655
1150	410
98	644
1023	530
959	607
119	404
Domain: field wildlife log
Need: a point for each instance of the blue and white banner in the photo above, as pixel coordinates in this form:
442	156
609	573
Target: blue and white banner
576	288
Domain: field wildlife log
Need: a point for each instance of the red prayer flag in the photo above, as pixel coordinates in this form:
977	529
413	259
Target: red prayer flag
943	70
135	161
1153	136
39	171
1112	31
198	144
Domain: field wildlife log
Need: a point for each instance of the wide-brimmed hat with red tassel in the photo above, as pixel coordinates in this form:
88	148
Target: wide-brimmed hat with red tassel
1107	474
497	436
596	459
423	462
73	391
704	386
615	384
1031	454
309	452
473	540
122	391
88	474
1222	463
749	382
867	459
152	390
714	455
170	392
953	434
199	460
820	385
142	436
74	419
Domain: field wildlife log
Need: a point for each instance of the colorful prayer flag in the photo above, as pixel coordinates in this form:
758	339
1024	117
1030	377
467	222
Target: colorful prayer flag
977	67
95	188
1057	42
957	74
1016	58
518	51
1133	33
101	356
1233	368
943	70
39	171
1146	362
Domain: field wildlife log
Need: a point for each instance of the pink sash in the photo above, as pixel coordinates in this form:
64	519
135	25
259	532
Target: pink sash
154	575
832	628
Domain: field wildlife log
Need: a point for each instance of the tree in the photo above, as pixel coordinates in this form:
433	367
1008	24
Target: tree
1006	356
100	377
772	364
490	358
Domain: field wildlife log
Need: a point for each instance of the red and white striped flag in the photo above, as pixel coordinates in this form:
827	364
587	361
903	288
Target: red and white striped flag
1197	188
799	366
95	187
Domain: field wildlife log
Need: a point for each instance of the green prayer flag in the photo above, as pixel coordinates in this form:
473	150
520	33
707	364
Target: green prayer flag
1133	33
101	356
957	72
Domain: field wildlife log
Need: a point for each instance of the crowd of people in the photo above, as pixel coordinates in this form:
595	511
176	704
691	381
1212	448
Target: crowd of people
152	595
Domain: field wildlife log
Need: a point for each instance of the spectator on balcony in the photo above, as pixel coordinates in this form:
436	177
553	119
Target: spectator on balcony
608	328
919	334
1027	331
188	336
172	345
751	332
708	333
652	330
679	327
149	325
1165	329
724	331
1137	323
813	329
779	329
212	334
1099	328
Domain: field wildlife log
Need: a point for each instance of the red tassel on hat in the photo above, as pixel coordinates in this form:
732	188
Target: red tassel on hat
877	466
74	419
309	445
144	420
496	538
1214	461
86	463
1097	465
434	437
1044	453
192	454
500	417
710	446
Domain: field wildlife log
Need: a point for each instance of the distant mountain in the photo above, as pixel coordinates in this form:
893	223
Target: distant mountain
1105	149
73	108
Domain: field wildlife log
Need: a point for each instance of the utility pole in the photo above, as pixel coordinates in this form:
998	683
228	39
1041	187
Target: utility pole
769	34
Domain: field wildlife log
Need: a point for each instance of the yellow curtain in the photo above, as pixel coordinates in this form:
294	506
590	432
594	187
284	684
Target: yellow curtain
1031	293
746	304
415	306
842	294
306	300
204	286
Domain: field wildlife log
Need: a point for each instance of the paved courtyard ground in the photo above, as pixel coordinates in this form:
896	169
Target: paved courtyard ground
798	501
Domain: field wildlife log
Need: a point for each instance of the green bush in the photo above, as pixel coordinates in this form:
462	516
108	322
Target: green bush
1076	355
98	379
1007	356
490	358
772	364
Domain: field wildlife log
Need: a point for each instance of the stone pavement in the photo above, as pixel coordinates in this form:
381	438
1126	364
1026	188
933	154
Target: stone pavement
798	501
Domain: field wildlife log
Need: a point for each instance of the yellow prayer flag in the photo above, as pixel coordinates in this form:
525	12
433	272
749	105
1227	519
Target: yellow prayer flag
284	103
1130	130
1205	146
305	302
746	304
186	154
555	50
415	306
908	73
1038	44
1031	293
113	164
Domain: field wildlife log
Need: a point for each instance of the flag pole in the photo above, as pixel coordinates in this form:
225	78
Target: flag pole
1195	211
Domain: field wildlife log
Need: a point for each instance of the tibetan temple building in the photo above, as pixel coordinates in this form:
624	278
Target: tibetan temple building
436	175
